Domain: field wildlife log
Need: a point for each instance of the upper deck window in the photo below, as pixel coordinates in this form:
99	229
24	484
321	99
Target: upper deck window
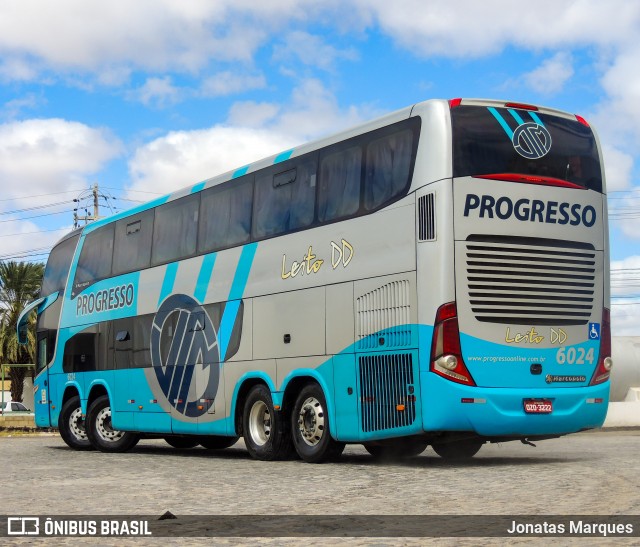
96	257
58	265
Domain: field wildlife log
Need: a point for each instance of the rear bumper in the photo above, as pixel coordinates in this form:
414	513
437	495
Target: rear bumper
500	411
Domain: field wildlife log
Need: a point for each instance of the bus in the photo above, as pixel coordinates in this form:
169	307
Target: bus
436	277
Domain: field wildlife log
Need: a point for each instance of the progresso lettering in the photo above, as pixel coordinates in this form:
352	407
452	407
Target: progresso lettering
105	300
532	210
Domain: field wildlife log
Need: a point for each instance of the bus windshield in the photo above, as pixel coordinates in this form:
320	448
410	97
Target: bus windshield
506	141
58	264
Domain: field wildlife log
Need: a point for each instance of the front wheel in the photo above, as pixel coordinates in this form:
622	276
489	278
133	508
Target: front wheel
265	432
100	429
71	425
458	450
310	427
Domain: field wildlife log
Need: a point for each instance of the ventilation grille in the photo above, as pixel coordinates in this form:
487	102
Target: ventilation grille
530	280
427	218
387	307
386	392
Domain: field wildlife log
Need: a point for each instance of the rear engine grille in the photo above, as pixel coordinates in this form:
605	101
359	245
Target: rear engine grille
530	280
386	391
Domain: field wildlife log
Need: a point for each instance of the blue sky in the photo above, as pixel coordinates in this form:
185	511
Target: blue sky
149	96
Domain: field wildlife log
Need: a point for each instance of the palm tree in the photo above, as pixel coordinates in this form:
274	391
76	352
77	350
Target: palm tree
19	284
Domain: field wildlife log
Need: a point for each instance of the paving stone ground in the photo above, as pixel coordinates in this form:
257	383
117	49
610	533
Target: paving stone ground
588	473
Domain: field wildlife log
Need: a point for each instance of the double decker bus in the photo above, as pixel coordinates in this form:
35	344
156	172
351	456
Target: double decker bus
438	276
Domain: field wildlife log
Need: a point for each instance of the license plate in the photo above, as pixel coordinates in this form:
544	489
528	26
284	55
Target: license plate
538	406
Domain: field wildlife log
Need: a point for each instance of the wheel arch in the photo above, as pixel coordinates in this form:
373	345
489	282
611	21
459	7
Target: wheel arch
244	385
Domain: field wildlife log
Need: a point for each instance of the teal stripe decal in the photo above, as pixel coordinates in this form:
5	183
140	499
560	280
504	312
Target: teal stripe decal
198	187
206	270
240	172
536	119
169	281
502	122
284	156
516	116
235	294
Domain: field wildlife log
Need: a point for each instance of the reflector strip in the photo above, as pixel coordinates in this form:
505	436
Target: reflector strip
472	400
597	400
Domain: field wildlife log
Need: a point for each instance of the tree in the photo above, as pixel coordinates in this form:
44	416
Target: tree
19	285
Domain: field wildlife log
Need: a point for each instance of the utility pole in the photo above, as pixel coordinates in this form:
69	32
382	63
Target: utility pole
96	208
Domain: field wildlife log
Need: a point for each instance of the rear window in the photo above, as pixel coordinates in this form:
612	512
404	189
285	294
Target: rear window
488	141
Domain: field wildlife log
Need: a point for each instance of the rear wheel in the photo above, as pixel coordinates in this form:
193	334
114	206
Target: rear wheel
100	429
217	442
71	425
458	450
182	442
311	429
266	435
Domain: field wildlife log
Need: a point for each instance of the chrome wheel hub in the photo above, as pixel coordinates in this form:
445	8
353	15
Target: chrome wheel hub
311	421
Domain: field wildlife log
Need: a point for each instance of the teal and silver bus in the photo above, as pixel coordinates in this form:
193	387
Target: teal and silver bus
438	276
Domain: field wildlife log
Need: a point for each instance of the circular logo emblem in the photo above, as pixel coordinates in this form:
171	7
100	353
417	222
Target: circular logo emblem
532	140
185	355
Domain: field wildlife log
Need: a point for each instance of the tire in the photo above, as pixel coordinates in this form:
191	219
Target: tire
71	425
398	449
310	427
100	432
182	442
265	432
458	450
217	442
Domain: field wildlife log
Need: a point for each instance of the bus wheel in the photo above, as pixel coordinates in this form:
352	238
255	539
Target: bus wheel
397	449
458	450
265	433
217	442
71	425
100	430
310	427
182	442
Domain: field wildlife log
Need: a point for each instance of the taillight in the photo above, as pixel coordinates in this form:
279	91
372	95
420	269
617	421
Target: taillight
446	354
453	103
521	106
530	179
582	120
603	370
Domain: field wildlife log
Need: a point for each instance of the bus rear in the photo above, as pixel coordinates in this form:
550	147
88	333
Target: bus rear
524	350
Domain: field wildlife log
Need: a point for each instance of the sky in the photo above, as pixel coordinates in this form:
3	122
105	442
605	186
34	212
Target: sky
146	97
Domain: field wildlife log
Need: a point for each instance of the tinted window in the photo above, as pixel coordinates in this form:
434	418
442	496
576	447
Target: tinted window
388	167
285	198
133	243
485	142
175	230
58	264
339	191
225	215
95	259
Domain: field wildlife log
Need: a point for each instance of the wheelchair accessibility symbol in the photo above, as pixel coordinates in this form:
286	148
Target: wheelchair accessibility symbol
594	331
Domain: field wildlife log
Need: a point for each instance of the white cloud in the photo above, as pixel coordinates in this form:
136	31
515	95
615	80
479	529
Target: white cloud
41	156
227	83
158	92
468	28
74	35
311	50
187	157
311	111
551	76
